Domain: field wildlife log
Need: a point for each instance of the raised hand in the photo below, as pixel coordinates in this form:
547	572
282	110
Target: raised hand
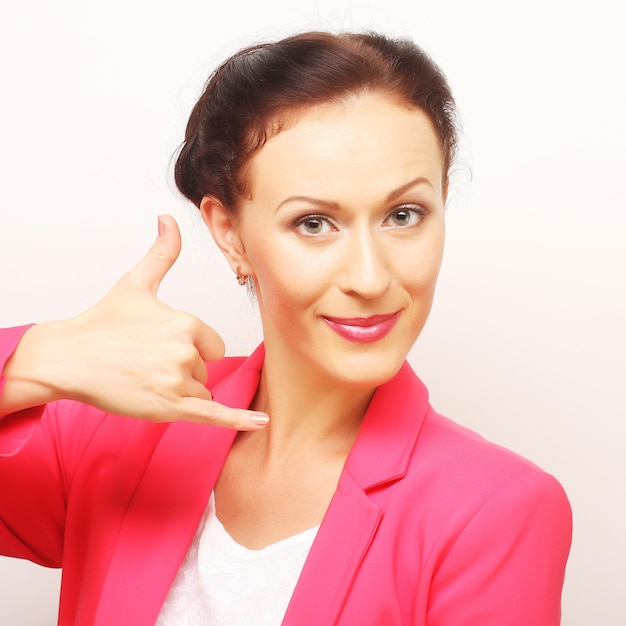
130	354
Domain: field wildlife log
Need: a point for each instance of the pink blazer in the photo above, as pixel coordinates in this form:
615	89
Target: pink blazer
430	524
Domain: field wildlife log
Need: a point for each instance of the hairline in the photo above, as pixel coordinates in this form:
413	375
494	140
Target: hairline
287	117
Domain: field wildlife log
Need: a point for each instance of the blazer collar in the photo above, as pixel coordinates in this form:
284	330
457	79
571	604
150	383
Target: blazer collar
389	430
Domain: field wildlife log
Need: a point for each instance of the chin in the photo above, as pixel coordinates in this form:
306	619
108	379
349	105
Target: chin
366	373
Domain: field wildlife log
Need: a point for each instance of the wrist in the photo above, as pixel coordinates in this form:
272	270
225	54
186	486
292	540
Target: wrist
34	372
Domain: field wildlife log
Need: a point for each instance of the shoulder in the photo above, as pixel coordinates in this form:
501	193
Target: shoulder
465	500
456	448
493	529
468	473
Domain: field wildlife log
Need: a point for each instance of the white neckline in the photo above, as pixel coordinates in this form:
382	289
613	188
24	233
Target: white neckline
290	544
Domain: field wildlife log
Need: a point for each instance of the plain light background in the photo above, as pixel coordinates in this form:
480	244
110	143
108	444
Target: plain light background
526	341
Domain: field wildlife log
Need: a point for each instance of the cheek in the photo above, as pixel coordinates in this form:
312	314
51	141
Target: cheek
287	278
435	257
419	266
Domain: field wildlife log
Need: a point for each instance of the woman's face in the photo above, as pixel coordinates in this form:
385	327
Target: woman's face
343	235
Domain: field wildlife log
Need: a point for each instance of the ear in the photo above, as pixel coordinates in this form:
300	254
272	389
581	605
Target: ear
223	227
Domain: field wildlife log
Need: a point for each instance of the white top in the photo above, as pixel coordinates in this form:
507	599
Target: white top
222	583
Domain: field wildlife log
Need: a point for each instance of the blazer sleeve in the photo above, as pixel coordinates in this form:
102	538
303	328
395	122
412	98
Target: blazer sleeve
17	428
34	470
506	568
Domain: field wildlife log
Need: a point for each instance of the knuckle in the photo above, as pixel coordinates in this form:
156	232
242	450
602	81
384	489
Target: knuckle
159	253
162	409
186	354
178	324
214	411
173	383
186	326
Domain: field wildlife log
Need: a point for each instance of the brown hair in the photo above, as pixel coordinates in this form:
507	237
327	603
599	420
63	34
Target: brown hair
258	91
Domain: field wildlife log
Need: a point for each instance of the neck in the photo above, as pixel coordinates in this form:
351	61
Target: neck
307	410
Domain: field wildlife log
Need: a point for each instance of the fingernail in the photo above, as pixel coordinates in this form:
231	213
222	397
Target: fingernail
260	419
160	226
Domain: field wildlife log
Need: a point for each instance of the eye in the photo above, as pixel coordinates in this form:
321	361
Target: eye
404	217
314	225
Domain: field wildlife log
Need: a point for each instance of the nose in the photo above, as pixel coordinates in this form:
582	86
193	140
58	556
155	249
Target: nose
365	267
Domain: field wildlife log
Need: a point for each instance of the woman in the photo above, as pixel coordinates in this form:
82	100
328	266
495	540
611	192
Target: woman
320	165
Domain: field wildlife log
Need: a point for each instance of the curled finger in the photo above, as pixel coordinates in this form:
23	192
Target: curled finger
199	371
209	343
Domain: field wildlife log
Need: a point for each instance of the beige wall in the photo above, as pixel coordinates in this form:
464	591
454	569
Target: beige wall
526	343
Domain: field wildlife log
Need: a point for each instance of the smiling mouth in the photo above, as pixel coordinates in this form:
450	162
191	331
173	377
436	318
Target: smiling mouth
363	329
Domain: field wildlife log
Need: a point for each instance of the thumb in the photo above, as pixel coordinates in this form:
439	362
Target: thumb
150	271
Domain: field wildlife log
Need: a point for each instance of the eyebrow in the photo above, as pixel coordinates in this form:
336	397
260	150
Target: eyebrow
420	180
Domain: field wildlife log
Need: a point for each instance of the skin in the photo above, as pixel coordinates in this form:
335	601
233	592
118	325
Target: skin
344	219
130	354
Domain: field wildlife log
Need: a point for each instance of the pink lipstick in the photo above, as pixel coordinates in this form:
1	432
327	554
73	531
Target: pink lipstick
363	329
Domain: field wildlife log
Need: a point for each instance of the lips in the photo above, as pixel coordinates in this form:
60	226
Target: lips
363	329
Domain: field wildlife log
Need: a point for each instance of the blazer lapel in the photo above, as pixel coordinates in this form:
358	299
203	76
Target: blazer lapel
380	455
341	542
166	507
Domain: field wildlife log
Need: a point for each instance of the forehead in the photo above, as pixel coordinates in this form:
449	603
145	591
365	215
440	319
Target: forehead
368	141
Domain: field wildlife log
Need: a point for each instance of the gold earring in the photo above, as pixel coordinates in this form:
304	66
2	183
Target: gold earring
242	279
